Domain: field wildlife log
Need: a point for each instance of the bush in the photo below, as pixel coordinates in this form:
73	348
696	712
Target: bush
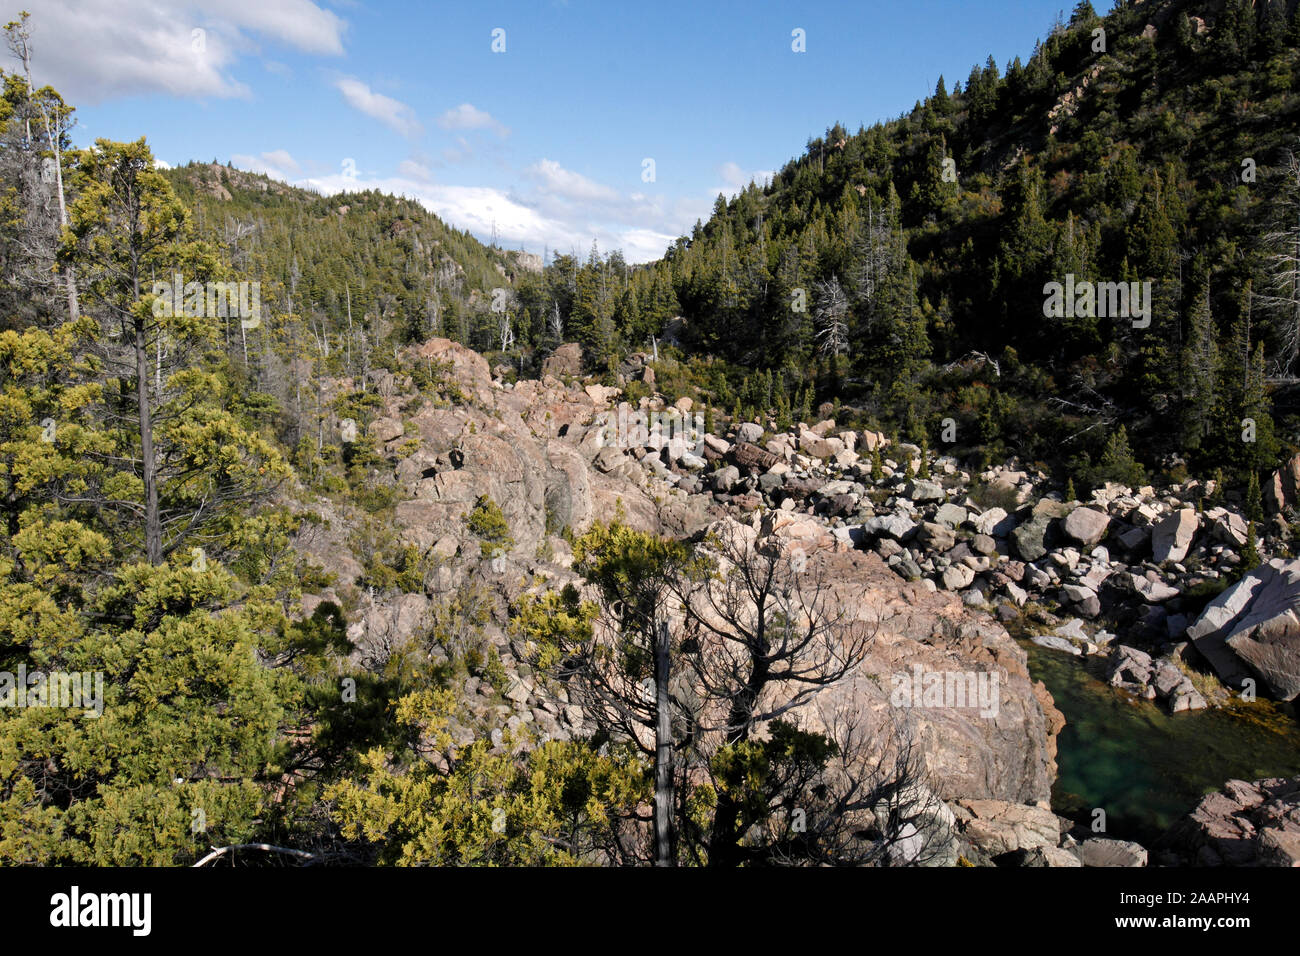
488	524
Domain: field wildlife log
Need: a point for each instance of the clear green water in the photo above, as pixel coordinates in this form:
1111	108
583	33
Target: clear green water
1143	766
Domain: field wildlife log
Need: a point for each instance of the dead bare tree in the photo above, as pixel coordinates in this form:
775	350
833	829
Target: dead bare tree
55	122
709	660
1282	245
768	637
831	314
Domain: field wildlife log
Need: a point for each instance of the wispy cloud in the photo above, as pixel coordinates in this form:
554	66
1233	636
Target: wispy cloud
394	114
468	116
557	180
277	164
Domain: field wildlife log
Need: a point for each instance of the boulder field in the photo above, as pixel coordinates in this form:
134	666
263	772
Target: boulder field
939	559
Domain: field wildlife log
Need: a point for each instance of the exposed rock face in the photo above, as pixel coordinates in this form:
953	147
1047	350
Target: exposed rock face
1253	629
1004	752
997	826
1244	824
565	360
1283	487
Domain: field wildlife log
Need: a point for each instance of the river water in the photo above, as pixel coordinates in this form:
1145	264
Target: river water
1144	766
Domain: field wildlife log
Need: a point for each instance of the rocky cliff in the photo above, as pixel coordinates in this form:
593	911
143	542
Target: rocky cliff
543	451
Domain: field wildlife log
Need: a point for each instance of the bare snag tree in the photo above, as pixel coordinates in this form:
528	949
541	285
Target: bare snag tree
709	660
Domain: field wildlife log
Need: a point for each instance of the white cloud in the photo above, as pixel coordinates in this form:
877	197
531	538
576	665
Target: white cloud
559	181
735	178
410	169
394	114
566	210
468	116
93	50
277	164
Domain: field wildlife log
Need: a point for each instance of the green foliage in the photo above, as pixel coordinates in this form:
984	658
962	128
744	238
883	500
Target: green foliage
1250	559
486	522
556	805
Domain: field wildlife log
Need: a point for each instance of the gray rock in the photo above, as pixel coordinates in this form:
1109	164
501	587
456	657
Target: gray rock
724	479
1253	629
935	537
749	432
1101	851
1030	539
1056	644
951	515
893	525
1171	537
918	490
1087	526
1133	539
990	521
957	576
1073	630
1153	592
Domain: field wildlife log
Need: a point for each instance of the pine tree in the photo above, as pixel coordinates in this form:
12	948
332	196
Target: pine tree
1201	372
1254	499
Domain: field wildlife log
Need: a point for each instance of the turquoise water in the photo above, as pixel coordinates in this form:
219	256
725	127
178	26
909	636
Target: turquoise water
1143	766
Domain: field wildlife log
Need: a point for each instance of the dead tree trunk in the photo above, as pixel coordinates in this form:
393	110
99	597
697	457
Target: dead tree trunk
663	749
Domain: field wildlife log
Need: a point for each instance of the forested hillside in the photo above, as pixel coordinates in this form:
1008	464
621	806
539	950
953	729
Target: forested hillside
361	577
1152	144
901	269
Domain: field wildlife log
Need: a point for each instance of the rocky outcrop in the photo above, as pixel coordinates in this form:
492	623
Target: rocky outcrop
564	361
1244	824
1137	672
1253	629
1003	751
925	550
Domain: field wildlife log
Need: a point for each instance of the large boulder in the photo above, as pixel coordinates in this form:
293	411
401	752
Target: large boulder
919	490
564	361
994	522
1171	537
1003	752
1253	629
1031	538
892	525
748	455
1086	526
1283	488
1244	824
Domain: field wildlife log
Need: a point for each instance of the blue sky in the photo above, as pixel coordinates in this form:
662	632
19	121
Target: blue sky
546	140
